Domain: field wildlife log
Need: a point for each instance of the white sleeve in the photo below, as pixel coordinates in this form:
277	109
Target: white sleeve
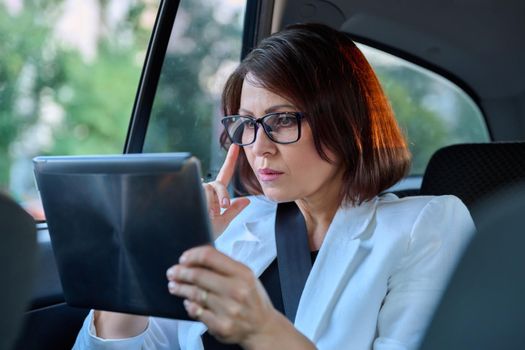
159	335
437	240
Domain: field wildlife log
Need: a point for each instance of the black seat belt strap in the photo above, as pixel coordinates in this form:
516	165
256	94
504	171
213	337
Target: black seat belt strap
293	255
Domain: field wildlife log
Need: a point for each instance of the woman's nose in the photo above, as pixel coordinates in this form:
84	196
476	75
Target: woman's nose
263	145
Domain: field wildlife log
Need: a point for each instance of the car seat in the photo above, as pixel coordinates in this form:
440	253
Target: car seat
17	264
473	171
483	305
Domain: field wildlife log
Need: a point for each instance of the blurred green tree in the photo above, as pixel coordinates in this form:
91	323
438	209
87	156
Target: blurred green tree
424	129
96	96
184	107
26	70
93	97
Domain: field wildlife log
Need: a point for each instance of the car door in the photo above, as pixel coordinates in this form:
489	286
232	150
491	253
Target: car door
193	44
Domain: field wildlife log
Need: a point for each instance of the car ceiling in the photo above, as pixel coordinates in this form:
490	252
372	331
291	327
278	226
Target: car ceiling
479	44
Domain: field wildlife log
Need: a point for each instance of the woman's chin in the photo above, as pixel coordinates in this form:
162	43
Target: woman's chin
278	196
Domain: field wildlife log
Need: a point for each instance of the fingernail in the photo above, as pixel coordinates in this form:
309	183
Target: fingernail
225	202
186	303
183	258
172	285
170	273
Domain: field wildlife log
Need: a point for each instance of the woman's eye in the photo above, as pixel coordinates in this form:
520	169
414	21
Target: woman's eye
249	124
285	120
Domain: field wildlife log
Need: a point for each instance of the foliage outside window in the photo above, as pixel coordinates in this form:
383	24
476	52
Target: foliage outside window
70	70
204	48
431	110
68	77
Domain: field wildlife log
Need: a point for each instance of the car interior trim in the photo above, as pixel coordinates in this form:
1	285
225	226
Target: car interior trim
150	75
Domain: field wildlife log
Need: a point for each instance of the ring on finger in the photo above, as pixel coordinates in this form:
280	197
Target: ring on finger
204	297
199	312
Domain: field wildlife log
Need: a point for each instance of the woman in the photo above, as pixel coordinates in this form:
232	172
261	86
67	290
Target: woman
309	123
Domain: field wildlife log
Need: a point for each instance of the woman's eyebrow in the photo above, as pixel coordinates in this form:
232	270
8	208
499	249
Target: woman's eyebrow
276	108
271	109
245	111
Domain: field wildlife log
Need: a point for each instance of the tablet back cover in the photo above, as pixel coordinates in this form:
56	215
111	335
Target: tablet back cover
115	233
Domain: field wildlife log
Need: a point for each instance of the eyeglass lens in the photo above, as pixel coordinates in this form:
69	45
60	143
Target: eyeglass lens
280	128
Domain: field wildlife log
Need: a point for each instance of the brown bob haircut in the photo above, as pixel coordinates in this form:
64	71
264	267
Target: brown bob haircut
324	74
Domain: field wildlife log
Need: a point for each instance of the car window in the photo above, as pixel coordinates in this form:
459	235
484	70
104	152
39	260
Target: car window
68	77
432	111
204	48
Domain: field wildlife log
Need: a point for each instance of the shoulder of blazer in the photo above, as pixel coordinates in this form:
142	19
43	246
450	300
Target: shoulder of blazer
407	210
410	206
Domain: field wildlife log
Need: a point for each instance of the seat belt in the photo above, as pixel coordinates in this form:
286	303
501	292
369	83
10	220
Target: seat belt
293	255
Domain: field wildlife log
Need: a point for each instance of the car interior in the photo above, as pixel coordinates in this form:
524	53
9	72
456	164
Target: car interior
474	47
18	231
482	310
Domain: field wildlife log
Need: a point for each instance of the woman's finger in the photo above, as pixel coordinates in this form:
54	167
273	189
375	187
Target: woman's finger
195	294
212	200
222	329
235	208
202	278
194	309
210	258
222	194
189	291
220	220
228	168
198	312
207	299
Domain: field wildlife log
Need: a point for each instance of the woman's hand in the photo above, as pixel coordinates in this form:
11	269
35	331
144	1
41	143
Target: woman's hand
217	195
231	301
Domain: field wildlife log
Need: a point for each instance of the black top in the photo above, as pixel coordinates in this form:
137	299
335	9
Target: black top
270	280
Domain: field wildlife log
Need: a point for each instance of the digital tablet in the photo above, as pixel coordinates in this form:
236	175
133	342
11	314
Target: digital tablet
118	222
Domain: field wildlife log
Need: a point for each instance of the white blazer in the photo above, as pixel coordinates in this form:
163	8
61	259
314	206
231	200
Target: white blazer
374	284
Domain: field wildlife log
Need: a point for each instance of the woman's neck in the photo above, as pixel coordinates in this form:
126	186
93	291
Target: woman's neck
318	212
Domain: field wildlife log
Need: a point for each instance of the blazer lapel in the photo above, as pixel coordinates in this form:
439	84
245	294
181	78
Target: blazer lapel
340	255
255	247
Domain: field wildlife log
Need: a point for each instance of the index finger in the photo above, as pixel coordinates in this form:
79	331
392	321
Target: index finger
227	169
210	258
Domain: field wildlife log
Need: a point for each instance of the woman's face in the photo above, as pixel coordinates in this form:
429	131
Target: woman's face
291	171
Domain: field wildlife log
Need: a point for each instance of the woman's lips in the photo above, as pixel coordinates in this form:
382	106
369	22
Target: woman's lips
267	174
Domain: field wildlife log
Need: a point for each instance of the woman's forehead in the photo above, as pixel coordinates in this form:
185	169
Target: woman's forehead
254	97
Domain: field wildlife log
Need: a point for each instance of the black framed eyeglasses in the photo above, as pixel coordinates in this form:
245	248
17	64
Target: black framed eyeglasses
280	127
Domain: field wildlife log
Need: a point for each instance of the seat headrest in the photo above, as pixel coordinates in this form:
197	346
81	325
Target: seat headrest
472	171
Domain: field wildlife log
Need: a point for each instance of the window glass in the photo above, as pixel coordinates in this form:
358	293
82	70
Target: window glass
432	111
204	48
68	78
